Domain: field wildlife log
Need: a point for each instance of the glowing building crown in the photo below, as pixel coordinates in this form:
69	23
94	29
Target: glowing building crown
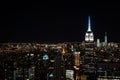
89	24
89	37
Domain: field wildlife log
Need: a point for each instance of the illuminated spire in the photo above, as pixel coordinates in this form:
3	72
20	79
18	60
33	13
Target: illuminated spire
106	38
89	37
89	24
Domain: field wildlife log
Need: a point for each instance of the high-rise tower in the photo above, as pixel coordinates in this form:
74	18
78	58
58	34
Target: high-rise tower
88	58
59	67
105	39
89	37
98	42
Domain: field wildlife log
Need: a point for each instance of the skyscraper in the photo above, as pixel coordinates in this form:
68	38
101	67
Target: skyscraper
77	64
105	39
59	67
89	40
89	37
89	50
98	42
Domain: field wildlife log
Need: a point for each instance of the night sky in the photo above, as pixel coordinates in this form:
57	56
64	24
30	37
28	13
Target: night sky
58	22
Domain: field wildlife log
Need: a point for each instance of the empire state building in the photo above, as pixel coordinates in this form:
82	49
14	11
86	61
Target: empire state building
88	60
89	37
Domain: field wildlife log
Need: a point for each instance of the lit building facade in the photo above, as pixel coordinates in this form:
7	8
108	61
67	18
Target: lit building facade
77	65
88	59
89	37
77	58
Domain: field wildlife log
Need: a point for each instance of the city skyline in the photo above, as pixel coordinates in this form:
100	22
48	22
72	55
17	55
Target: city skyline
54	23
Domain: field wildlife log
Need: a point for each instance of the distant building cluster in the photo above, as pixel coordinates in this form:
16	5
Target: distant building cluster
86	60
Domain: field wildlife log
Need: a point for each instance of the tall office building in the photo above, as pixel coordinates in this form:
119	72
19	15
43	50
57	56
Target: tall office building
59	67
77	65
51	64
77	59
89	40
98	42
89	49
105	39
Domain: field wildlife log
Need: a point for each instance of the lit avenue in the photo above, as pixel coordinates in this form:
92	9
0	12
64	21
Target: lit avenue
87	60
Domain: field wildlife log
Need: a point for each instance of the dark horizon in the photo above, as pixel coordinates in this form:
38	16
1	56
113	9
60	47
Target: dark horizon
48	22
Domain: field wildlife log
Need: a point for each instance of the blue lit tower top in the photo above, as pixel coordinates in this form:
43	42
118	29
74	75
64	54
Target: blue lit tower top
89	37
89	24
